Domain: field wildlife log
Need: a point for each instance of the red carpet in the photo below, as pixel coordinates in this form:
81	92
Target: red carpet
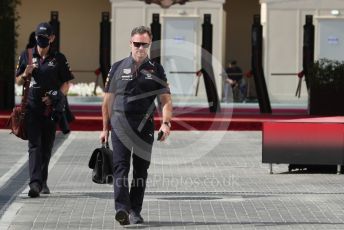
88	118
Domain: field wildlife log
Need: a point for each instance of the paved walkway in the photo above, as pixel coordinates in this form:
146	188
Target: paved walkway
197	180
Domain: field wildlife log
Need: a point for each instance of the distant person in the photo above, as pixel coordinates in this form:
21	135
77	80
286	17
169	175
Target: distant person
234	82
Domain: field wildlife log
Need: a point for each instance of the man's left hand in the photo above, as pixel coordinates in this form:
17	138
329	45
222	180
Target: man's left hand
166	130
46	100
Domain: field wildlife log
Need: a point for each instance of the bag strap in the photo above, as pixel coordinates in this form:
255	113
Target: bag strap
27	81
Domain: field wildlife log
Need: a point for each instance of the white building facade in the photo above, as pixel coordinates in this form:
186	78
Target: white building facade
283	22
181	35
181	38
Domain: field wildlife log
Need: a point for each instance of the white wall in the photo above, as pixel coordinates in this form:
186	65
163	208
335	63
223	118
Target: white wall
283	22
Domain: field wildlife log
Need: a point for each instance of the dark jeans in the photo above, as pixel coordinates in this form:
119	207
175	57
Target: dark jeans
125	143
41	136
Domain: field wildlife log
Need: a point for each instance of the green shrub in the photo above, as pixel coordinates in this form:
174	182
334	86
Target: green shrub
327	73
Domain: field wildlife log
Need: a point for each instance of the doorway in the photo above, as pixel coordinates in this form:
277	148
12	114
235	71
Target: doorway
179	53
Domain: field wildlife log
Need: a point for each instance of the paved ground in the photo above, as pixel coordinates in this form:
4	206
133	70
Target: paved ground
198	180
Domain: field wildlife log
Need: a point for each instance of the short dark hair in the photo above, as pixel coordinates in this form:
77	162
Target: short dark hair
141	30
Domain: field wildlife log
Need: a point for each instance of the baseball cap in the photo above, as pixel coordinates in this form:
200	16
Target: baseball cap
44	28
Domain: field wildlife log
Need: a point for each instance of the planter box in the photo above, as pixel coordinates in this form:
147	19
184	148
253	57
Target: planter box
310	141
326	101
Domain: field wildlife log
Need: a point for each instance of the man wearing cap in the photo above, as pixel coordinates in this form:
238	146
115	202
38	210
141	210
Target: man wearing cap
49	82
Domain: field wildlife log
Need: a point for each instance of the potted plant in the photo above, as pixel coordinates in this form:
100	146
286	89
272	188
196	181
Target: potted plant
326	88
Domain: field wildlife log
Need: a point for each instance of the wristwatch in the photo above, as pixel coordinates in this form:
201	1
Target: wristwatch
167	123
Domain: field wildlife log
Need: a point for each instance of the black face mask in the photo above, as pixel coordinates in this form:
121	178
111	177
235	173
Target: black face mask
42	42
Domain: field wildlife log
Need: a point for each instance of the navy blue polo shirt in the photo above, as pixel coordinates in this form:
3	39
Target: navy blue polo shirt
51	73
135	88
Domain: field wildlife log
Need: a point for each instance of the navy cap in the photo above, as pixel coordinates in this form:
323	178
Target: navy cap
44	28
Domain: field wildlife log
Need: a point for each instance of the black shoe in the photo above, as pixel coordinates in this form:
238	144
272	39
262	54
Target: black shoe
45	189
135	218
34	190
122	217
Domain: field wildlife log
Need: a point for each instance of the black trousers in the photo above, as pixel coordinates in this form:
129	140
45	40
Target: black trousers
41	136
128	143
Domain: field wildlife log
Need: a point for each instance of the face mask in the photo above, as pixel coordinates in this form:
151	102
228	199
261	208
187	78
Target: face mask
42	42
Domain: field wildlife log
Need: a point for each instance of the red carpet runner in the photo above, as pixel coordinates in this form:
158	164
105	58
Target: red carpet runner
88	118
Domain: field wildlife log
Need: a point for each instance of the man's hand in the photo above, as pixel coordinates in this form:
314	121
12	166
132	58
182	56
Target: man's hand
166	104
166	131
29	68
46	100
20	80
230	81
104	136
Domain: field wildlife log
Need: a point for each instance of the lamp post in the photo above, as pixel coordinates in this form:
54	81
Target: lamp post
257	66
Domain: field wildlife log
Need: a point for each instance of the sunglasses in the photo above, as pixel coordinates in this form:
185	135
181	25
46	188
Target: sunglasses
139	44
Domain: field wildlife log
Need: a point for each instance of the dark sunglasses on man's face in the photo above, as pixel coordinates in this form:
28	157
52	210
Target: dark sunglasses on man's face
139	44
